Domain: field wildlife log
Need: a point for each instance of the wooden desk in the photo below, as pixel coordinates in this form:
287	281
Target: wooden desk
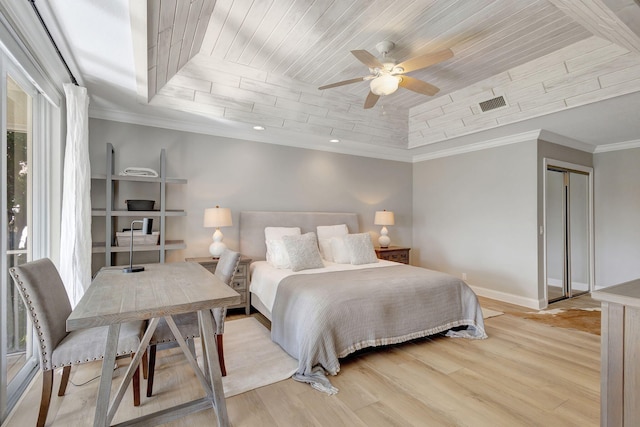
620	355
162	290
241	280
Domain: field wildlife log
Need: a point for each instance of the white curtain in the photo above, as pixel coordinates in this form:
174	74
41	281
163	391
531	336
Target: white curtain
75	241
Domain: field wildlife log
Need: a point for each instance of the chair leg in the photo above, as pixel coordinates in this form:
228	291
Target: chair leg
223	370
145	365
66	371
152	368
45	399
136	387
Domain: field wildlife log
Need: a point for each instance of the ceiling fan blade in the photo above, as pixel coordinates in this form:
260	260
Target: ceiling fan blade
418	86
342	83
367	59
424	61
371	100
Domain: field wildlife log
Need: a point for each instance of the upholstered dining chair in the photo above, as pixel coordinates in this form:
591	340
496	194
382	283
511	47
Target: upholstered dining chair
188	323
45	297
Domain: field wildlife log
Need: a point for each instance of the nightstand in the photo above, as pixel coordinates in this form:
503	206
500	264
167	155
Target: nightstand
240	281
393	253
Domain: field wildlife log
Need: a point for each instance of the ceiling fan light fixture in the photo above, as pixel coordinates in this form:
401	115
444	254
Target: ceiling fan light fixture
385	84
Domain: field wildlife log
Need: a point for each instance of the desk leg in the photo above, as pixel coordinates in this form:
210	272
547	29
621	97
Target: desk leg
209	345
104	392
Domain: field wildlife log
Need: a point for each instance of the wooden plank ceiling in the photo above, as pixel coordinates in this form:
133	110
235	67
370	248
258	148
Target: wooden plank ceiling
263	60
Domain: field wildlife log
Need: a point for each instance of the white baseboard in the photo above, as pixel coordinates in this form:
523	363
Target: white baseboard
510	298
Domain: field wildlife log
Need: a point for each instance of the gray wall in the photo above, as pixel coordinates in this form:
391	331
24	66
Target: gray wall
480	213
244	175
475	213
617	216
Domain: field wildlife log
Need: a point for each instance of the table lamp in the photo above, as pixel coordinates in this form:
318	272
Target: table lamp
217	217
147	223
384	218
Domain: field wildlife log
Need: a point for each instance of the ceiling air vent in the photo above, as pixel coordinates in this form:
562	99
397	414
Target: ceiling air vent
492	104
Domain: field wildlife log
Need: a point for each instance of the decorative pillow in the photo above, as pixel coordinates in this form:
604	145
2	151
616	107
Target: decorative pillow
303	251
276	252
360	248
325	233
339	251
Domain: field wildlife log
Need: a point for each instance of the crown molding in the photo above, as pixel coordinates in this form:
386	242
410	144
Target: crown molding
273	137
492	143
554	138
348	147
618	146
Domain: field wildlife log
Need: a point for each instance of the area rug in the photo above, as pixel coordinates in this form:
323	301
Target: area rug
586	320
487	313
251	358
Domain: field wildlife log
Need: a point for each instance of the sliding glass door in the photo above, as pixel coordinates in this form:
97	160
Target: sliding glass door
568	232
18	360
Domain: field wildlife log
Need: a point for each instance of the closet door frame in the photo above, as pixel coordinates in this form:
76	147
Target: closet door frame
571	167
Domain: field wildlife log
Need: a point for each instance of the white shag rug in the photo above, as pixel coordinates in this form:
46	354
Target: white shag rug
251	358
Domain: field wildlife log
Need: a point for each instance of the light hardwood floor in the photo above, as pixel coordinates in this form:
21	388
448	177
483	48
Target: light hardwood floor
525	374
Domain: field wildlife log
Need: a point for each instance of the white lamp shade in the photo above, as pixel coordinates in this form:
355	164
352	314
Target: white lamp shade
384	218
386	84
217	217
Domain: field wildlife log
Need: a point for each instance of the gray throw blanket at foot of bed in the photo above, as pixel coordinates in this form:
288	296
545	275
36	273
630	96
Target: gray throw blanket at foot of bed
319	318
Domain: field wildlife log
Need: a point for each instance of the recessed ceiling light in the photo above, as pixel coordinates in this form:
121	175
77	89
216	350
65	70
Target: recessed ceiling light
258	127
334	140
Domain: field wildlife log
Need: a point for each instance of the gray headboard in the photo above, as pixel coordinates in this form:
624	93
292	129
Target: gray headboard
252	226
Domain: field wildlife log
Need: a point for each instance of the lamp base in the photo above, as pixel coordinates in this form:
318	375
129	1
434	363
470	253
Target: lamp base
216	249
134	269
384	240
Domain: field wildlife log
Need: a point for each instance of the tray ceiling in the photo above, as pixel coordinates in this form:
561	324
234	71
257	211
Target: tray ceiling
239	63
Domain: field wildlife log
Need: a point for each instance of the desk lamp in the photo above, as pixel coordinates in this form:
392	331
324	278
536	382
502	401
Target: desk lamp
146	229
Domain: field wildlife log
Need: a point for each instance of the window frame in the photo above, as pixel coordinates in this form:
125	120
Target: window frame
45	146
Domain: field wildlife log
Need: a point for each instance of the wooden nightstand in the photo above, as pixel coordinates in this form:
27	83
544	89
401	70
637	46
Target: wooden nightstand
393	253
240	281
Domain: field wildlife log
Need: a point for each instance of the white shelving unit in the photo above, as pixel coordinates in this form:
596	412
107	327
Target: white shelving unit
111	213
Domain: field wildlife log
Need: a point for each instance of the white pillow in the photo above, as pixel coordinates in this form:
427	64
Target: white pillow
339	251
276	233
303	251
325	233
360	249
276	253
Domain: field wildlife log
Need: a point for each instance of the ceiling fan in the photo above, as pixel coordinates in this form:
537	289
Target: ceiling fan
386	75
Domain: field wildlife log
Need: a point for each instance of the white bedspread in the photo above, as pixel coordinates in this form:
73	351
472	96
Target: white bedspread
266	278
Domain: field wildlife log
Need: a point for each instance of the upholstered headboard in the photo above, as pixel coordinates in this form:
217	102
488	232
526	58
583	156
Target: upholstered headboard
252	224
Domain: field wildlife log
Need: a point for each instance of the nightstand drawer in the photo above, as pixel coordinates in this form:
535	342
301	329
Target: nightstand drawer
239	284
242	270
240	281
399	257
393	253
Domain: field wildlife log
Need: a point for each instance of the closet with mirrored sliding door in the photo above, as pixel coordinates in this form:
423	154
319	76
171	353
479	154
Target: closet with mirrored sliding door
568	230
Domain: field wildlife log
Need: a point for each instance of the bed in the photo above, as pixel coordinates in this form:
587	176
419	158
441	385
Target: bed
319	315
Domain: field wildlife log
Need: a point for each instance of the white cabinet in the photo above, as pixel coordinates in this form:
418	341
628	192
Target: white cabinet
116	216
